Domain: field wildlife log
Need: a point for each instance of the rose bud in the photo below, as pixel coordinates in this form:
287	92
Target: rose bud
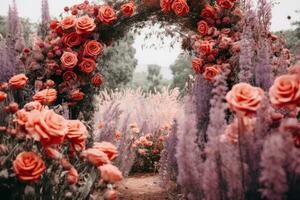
66	9
13	107
50	55
50	83
74	12
26	50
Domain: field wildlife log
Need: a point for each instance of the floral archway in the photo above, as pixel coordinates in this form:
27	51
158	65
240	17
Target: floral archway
62	74
68	54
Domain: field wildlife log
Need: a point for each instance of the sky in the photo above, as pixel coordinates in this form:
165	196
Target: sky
163	55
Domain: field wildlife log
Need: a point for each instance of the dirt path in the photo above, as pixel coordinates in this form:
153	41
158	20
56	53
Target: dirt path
143	187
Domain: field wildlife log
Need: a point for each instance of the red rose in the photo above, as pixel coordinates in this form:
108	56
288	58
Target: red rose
76	95
225	3
180	7
71	39
18	81
197	64
211	72
3	96
28	166
68	22
85	25
69	59
72	176
97	80
106	14
92	48
54	24
208	11
202	27
87	65
205	47
128	9
165	5
70	76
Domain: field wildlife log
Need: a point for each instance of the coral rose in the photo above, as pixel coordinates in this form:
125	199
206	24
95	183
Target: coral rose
208	12
21	117
225	3
128	9
210	72
46	96
28	166
165	5
68	22
93	48
95	156
231	134
202	27
205	47
69	60
33	105
108	148
71	39
85	25
285	91
18	81
76	95
77	134
97	80
106	14
72	176
110	173
70	76
50	83
244	98
87	65
3	96
46	126
180	7
225	42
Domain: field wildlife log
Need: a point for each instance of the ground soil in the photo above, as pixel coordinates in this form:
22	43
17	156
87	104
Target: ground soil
145	187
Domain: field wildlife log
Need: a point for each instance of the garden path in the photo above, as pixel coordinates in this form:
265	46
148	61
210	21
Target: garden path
143	187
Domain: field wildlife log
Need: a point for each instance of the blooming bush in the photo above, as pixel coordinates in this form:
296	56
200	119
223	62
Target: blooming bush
137	124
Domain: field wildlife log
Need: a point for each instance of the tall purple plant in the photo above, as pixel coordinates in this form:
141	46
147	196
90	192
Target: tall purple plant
43	29
247	45
263	68
188	154
14	43
202	95
45	12
214	182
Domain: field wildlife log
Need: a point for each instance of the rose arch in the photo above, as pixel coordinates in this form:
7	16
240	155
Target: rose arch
63	65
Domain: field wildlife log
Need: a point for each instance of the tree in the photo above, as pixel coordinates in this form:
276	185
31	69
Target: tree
118	63
154	78
181	69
